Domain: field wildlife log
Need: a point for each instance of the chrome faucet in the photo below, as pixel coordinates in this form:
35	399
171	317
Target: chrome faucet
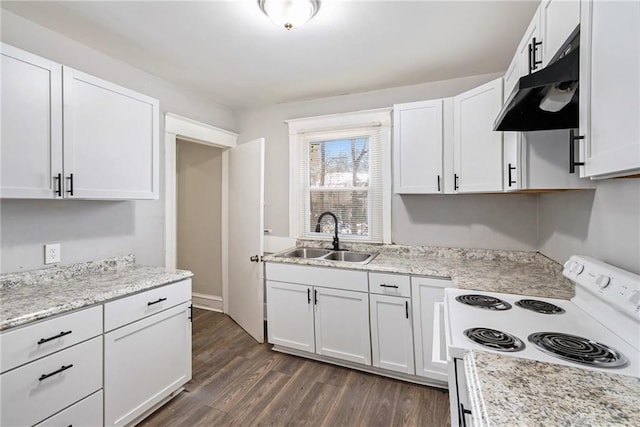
336	242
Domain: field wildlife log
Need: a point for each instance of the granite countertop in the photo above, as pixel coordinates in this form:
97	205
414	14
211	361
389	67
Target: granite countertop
29	296
514	272
508	391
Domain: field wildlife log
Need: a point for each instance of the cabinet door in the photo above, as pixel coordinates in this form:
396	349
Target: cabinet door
530	51
290	316
110	140
511	77
417	140
391	333
477	148
31	133
559	19
430	347
342	325
610	93
144	362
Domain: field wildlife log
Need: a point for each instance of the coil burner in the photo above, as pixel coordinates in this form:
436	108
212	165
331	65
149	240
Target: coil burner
578	349
538	306
495	340
484	301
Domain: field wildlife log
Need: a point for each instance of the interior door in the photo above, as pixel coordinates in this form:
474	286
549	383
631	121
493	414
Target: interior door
246	228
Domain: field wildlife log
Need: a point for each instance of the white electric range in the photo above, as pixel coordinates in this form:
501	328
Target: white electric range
598	329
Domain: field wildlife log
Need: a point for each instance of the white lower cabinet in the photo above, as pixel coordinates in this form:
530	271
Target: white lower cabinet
87	412
391	333
145	362
428	327
37	390
342	325
325	321
290	316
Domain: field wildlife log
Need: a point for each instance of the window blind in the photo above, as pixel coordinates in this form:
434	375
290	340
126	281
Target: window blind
341	171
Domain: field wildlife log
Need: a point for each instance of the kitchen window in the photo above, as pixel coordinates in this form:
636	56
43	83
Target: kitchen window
341	164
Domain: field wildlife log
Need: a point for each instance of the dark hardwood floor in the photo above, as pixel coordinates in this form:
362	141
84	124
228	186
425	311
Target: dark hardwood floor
239	382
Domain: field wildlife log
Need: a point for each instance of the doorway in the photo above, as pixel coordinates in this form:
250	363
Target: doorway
199	220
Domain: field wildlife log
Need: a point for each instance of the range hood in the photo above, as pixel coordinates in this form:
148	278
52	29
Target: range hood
555	87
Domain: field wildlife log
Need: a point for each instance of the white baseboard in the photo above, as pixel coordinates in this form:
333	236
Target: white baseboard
206	302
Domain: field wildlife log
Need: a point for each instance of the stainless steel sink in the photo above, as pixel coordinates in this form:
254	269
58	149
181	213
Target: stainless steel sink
329	255
347	256
305	253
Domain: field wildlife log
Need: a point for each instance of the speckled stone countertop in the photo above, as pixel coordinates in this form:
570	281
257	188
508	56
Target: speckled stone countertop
33	295
514	272
511	391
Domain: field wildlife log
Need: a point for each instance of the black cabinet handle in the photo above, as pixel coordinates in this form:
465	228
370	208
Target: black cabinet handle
308	295
464	412
315	297
406	309
536	44
530	58
389	286
455	181
70	178
572	151
58	190
438	183
62	369
157	301
511	168
191	313
61	334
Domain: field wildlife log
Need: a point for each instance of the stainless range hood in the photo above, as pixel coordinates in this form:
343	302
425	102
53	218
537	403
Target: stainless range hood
547	99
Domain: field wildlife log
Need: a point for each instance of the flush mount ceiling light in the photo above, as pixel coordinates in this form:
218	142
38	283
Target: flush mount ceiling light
289	13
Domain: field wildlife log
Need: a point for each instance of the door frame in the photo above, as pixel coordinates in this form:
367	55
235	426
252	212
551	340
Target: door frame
178	127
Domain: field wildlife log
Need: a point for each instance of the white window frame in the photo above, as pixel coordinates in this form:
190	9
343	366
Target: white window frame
381	116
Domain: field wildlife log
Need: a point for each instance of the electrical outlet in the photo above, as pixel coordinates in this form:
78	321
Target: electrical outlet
52	253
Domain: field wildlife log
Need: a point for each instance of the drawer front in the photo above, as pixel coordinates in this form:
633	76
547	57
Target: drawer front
135	307
39	389
32	342
390	284
326	277
88	412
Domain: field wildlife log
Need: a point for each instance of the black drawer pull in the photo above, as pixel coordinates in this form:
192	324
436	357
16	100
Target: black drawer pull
389	286
62	369
157	301
406	309
70	178
308	295
511	180
61	334
58	179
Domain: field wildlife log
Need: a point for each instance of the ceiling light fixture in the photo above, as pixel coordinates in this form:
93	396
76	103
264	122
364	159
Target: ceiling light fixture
289	13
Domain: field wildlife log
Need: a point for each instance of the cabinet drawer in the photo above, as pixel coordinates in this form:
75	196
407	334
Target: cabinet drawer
39	389
88	412
390	284
129	309
32	342
326	277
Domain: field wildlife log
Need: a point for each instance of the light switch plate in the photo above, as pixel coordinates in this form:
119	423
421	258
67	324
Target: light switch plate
51	253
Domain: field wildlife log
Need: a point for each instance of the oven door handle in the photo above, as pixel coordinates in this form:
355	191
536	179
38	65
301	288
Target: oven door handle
438	335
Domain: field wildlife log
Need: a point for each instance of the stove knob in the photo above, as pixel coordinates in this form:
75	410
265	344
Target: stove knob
603	281
635	299
576	268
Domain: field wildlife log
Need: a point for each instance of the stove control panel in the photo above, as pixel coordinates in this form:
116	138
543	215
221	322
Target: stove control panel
618	288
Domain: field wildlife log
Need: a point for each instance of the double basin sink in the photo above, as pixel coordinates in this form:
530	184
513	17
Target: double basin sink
329	255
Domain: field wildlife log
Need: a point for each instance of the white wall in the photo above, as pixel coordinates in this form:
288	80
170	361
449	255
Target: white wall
90	229
604	224
490	221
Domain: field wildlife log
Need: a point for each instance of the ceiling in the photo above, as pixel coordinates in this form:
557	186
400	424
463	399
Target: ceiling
230	51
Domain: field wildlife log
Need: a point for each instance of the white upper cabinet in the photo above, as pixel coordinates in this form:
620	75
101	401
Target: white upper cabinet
528	57
31	148
477	148
418	147
538	161
610	88
68	134
559	18
110	139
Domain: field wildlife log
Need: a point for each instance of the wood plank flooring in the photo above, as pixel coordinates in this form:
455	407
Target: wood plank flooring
237	382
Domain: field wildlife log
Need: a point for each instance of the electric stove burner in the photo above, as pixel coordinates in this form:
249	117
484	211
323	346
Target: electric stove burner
578	349
483	301
495	340
539	306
